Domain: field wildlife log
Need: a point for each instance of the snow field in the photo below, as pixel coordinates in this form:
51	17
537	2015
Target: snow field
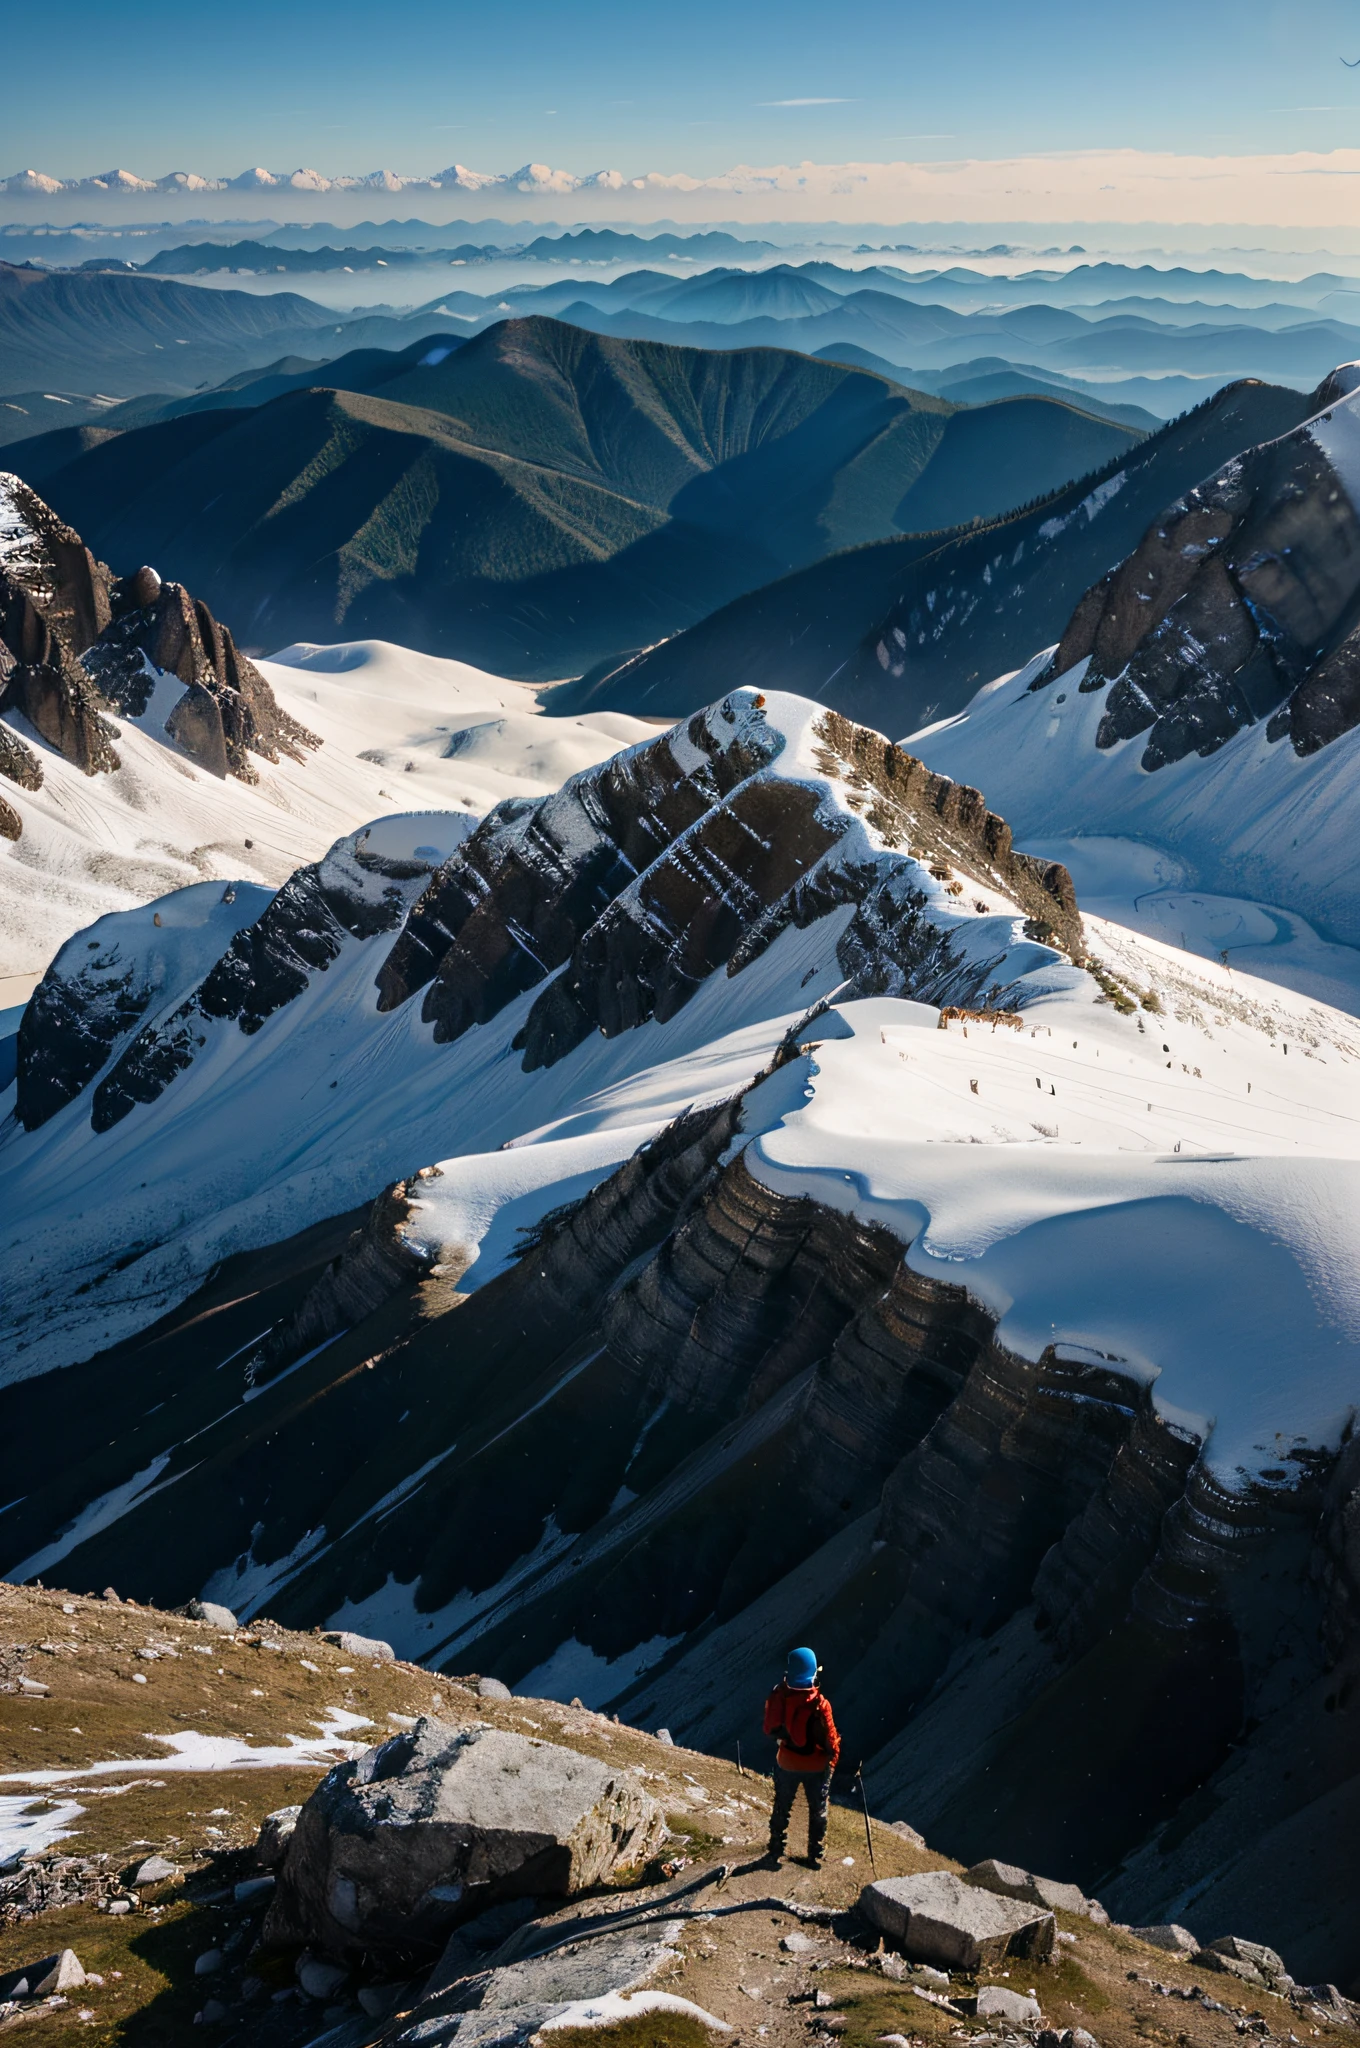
1265	842
95	844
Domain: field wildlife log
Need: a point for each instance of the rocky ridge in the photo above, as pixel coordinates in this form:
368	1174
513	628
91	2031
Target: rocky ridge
76	643
615	898
1241	603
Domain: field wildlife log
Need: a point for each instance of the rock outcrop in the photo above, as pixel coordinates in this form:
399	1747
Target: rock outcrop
1008	1881
941	1919
1240	604
676	859
233	952
75	643
436	1825
227	712
50	1977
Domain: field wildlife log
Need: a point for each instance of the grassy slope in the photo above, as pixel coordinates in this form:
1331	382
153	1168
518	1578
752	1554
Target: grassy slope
732	1965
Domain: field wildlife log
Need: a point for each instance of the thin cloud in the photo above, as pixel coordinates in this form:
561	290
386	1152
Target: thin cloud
808	103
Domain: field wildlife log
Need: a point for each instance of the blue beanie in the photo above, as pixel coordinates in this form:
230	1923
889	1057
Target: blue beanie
801	1668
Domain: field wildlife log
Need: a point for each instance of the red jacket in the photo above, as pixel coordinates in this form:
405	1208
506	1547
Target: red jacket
801	1717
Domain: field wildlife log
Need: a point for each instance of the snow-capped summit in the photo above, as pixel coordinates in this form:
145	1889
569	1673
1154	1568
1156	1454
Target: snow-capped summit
1191	745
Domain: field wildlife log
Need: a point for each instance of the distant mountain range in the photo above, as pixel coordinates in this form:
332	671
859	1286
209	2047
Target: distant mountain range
588	245
785	307
119	335
539	497
110	330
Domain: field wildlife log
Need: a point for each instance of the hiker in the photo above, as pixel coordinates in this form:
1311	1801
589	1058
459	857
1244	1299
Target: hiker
801	1717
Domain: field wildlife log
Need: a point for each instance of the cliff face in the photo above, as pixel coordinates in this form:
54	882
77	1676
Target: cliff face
699	1418
76	643
1240	604
643	877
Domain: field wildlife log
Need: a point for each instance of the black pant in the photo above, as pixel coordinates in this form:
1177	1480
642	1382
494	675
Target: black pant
817	1785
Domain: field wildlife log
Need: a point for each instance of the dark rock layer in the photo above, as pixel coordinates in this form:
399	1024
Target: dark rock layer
75	642
348	895
1241	603
228	710
18	762
641	878
701	1413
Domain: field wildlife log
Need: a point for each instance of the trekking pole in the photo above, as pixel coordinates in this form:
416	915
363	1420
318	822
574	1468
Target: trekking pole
740	1772
868	1832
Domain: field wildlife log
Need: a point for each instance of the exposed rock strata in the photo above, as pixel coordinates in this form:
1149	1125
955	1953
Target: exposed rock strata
18	762
699	1409
639	880
1240	604
54	603
642	877
228	710
74	642
379	1260
351	894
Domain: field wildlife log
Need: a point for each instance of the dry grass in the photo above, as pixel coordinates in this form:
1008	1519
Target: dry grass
731	1964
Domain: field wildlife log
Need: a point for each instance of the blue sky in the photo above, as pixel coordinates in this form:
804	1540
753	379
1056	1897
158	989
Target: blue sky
695	86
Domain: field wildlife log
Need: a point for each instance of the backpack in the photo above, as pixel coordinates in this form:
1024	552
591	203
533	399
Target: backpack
800	1720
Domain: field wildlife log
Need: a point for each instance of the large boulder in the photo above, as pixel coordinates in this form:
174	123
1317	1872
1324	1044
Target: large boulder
396	1847
1252	1961
48	1978
936	1917
1009	1881
1176	1940
999	2002
211	1612
370	1648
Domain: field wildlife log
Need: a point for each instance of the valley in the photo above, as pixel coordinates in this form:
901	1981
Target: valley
536	498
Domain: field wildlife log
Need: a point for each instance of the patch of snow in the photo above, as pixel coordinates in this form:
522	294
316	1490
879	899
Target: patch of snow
475	1214
574	1671
1337	433
1253	821
390	1612
1092	505
100	1514
246	1585
28	1825
192	1751
94	844
1144	887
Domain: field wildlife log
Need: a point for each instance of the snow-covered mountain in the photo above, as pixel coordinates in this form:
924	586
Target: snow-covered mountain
615	899
456	178
734	1198
120	777
1191	746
